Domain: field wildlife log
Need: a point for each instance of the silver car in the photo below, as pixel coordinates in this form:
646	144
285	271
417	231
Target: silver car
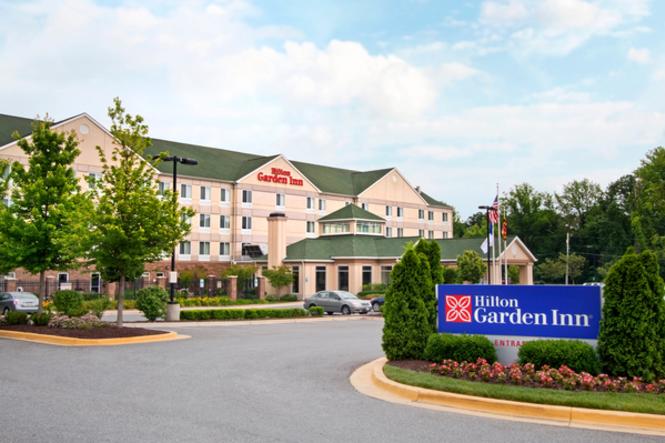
18	301
338	301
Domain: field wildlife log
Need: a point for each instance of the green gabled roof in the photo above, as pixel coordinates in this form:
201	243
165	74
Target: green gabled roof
434	202
351	212
9	124
325	248
337	180
214	163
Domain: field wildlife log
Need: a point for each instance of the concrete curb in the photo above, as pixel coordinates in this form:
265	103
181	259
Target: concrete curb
73	341
370	380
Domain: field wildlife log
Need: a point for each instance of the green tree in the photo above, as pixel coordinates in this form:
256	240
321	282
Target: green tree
407	325
648	216
191	275
554	270
470	266
514	274
133	224
43	226
631	341
431	252
279	277
577	199
6	260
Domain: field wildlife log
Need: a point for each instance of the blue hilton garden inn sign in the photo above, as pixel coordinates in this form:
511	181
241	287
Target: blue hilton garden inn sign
571	312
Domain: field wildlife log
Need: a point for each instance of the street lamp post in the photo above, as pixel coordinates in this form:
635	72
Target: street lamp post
173	277
489	246
567	251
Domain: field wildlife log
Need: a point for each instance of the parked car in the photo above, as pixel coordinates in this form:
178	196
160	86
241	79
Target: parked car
18	301
377	302
337	301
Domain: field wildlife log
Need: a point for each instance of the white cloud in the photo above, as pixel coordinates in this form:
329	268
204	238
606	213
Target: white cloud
557	27
639	55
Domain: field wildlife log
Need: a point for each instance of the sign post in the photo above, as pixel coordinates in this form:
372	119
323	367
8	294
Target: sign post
510	315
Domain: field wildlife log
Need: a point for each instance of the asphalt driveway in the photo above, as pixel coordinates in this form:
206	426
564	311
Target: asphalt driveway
276	382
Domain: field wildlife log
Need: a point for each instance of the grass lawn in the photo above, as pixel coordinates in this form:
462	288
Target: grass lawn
649	403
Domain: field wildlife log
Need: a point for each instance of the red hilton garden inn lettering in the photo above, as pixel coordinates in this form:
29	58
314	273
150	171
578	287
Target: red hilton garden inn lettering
279	175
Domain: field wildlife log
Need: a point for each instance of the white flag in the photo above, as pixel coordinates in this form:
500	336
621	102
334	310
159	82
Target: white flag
483	246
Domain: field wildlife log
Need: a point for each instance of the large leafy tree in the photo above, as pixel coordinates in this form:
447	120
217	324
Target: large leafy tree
470	266
577	199
42	228
6	264
133	224
407	324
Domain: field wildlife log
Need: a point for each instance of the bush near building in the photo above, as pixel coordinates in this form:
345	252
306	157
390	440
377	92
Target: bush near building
431	252
459	348
470	267
69	303
632	335
407	323
577	355
151	302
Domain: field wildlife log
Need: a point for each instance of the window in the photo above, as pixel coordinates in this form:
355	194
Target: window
311	226
368	228
320	278
145	275
246	223
94	179
336	228
421	214
445	234
163	187
444	217
224	195
389	231
185	191
10	275
421	233
186	218
367	275
224	222
205	193
430	215
310	203
400	212
246	196
204	248
295	285
343	278
280	200
385	274
224	249
365	206
322	204
389	211
400	232
159	274
63	277
204	221
185	248
430	235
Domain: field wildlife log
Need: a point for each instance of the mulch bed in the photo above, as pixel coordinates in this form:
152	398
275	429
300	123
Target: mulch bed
412	365
110	331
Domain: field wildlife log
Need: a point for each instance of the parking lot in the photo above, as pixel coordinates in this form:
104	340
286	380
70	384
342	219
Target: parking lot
260	382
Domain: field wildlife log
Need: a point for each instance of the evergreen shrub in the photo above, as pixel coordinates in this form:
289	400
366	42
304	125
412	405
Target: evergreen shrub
632	335
41	318
459	348
16	318
407	321
577	355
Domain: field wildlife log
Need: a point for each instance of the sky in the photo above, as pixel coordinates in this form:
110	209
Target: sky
458	95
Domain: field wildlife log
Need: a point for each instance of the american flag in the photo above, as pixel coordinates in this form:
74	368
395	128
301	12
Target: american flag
494	211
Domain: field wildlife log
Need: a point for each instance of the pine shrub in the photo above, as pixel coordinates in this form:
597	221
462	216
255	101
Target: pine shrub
459	348
151	302
632	341
577	355
407	323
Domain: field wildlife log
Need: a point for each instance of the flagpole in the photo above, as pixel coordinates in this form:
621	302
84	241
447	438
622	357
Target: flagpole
498	227
494	249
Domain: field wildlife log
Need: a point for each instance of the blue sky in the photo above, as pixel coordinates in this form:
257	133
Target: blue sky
458	95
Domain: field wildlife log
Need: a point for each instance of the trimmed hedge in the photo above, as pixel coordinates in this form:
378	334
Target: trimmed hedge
315	311
577	355
242	314
459	348
16	318
41	318
69	303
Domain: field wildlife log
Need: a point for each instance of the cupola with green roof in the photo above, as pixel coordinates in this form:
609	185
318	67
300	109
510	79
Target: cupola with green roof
353	220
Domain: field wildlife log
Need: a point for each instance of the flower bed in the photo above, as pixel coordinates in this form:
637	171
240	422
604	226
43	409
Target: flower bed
545	377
